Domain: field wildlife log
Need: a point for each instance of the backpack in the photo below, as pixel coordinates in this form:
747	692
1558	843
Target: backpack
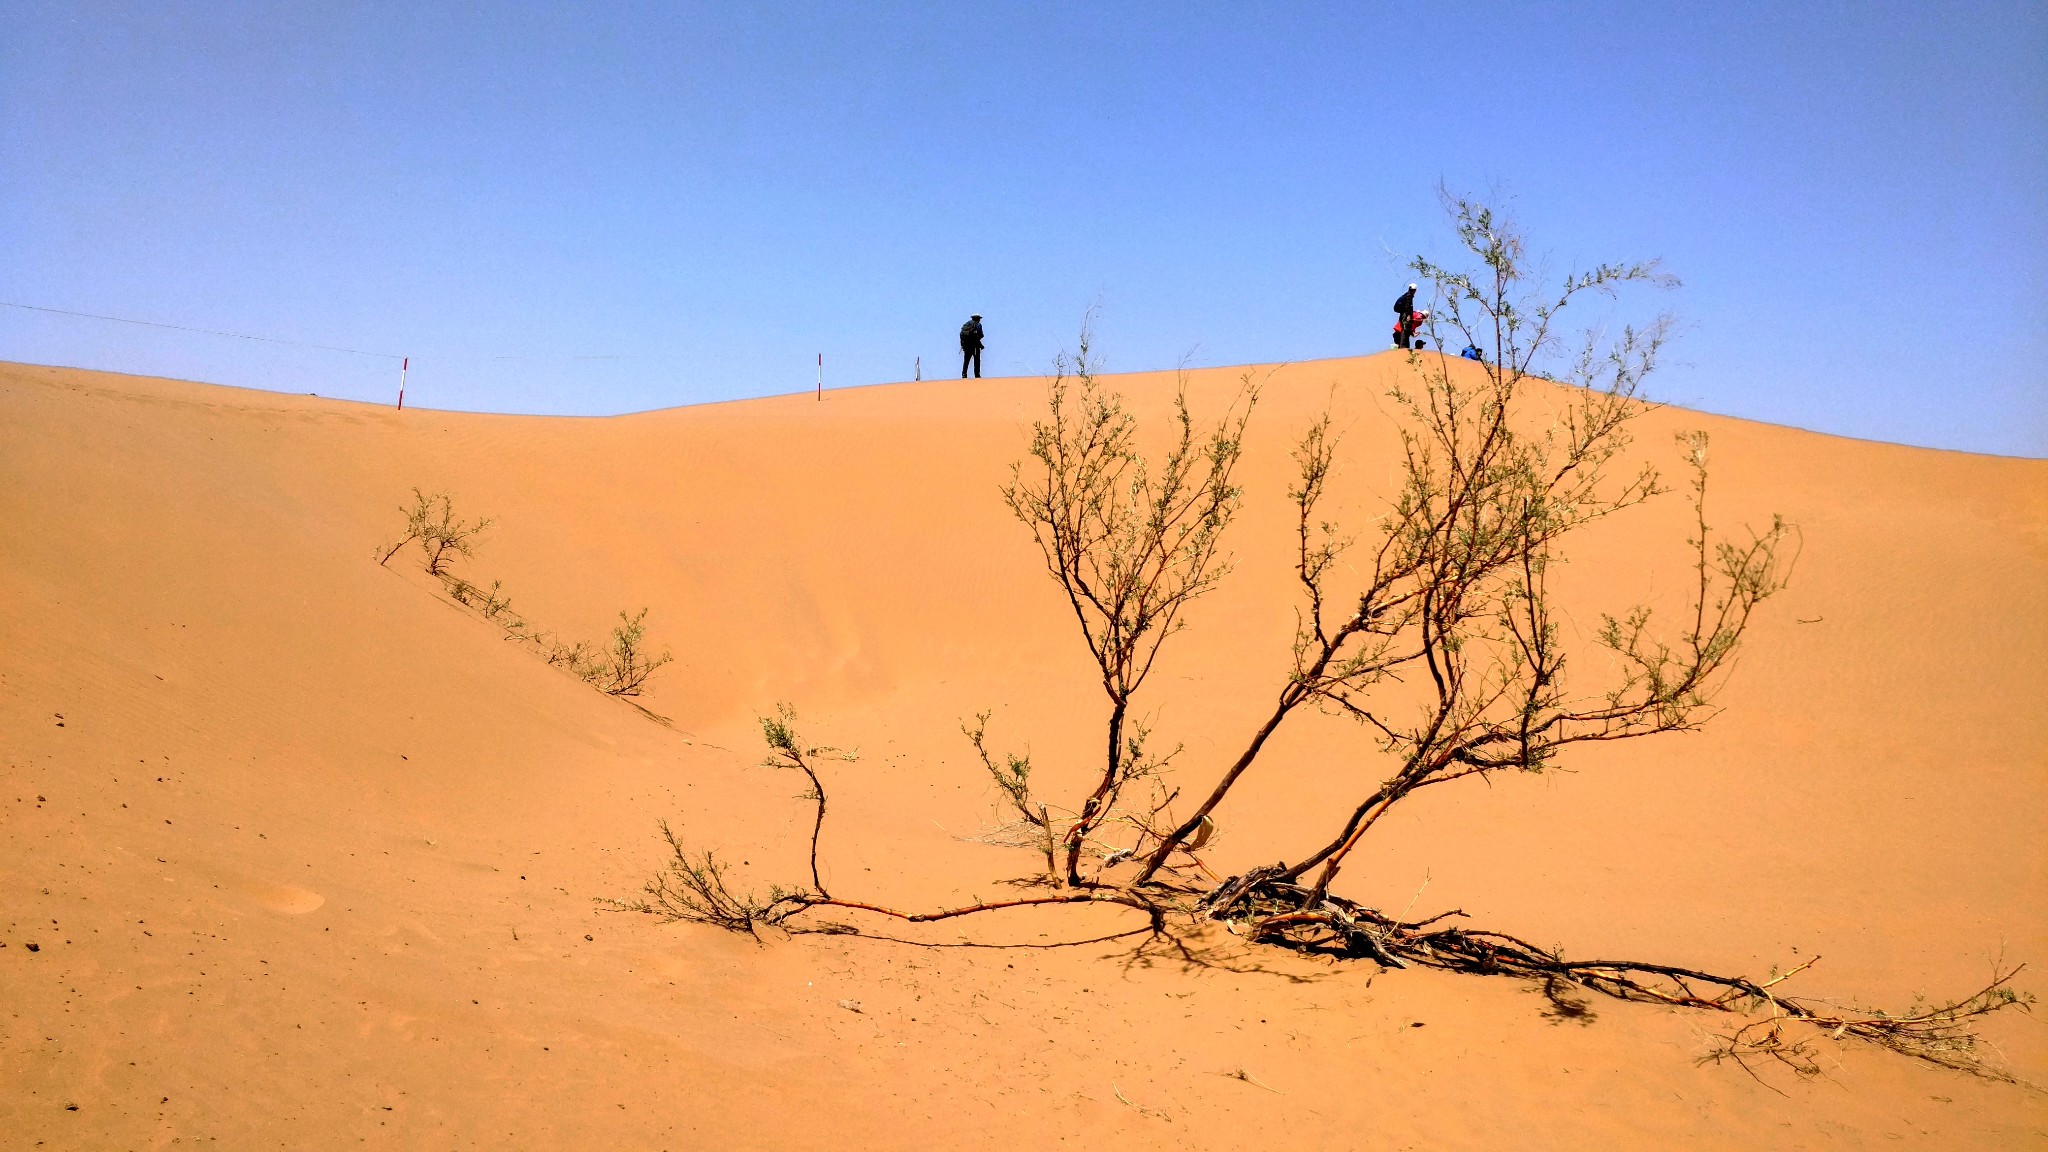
970	333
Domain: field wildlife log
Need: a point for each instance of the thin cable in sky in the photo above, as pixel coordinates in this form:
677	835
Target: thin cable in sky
205	331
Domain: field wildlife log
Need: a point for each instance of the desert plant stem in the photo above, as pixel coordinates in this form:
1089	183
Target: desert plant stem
1334	856
1289	697
818	824
970	909
1090	811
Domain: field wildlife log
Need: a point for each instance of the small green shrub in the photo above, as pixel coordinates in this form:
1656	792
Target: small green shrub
620	668
625	663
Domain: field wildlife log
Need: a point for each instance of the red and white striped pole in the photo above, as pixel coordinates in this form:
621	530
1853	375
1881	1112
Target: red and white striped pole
403	366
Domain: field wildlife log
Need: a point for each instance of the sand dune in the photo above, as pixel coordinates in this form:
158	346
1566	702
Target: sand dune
307	854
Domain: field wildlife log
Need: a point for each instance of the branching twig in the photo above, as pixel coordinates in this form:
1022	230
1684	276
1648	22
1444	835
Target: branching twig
787	750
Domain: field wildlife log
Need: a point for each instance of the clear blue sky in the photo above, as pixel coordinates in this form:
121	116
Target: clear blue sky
607	207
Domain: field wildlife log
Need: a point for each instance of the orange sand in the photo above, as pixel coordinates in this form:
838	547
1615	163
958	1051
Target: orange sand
310	857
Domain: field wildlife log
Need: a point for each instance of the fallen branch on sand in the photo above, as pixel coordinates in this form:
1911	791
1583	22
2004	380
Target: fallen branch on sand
1937	1034
1270	911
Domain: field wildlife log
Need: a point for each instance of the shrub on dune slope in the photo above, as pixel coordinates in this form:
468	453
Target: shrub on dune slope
620	668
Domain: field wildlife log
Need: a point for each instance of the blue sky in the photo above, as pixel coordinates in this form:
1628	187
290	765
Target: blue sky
611	207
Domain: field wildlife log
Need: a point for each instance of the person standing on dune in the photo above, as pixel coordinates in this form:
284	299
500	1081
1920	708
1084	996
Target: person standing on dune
970	346
1404	317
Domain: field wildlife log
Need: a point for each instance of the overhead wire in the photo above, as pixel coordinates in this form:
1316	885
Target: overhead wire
205	331
436	357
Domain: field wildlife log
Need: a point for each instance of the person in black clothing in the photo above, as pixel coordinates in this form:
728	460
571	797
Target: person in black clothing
1404	318
970	347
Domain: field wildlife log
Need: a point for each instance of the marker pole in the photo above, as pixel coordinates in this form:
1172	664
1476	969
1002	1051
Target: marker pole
403	366
821	377
920	368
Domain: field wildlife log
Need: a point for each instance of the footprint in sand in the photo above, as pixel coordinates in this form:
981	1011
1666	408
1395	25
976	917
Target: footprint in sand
286	898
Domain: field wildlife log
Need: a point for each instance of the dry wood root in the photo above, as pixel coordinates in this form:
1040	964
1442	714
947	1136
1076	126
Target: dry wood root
1775	1029
1282	913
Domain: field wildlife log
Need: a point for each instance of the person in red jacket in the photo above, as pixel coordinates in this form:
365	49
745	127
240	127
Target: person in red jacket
1406	326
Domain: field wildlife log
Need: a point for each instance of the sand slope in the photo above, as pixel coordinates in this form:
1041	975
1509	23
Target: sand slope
308	853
